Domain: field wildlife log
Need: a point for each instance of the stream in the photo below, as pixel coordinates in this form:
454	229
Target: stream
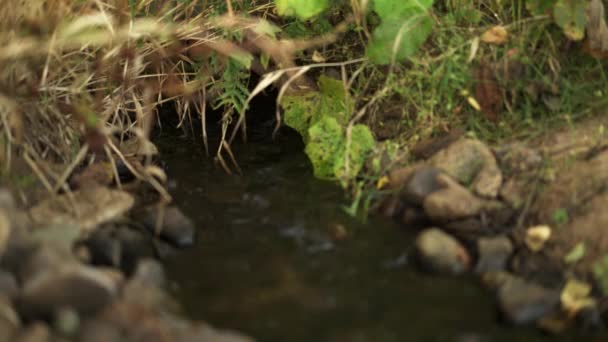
265	262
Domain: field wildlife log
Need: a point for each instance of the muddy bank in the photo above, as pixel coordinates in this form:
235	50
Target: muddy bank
525	216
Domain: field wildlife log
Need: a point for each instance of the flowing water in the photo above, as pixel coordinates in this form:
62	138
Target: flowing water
265	263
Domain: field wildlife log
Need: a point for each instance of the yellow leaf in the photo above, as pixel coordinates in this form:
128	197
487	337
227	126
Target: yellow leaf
382	182
536	237
496	35
473	102
576	296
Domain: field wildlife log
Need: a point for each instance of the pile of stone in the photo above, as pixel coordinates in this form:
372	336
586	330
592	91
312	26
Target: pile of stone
82	267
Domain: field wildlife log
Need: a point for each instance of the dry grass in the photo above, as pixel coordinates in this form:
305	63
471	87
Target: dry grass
85	78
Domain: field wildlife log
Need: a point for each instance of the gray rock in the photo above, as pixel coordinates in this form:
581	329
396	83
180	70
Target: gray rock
8	315
150	272
8	284
86	208
472	163
95	330
472	226
42	258
176	227
146	287
135	245
62	236
83	288
420	184
7	330
522	302
453	202
104	248
35	332
494	253
441	253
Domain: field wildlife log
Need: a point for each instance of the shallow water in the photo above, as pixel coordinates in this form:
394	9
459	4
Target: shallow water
265	264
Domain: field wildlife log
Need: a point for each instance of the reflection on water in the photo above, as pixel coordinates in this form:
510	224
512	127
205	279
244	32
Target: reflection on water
265	263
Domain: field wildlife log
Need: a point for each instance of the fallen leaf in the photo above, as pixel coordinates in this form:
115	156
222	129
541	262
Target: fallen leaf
488	92
576	296
576	253
382	182
537	236
497	35
317	57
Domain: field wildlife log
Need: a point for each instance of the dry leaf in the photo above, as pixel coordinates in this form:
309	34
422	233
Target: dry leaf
496	35
488	92
537	236
576	296
317	57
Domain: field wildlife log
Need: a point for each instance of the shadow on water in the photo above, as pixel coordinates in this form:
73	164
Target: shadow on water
265	264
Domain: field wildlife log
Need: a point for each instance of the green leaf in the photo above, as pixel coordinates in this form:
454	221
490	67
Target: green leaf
576	254
405	26
600	272
361	144
326	139
540	7
304	9
571	17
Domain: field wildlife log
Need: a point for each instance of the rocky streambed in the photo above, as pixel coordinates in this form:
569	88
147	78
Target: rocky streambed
272	254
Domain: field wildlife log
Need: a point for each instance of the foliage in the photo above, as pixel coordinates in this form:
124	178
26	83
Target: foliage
303	9
600	272
325	141
404	26
321	117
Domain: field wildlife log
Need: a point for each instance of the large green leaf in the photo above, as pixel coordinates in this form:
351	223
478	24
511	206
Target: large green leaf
404	27
540	7
571	17
304	9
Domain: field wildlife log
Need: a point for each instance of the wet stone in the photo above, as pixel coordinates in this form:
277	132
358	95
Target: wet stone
35	332
537	267
420	184
8	284
453	202
83	288
176	228
63	236
439	252
94	205
99	331
494	253
522	302
135	245
414	217
151	273
43	258
472	163
104	249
